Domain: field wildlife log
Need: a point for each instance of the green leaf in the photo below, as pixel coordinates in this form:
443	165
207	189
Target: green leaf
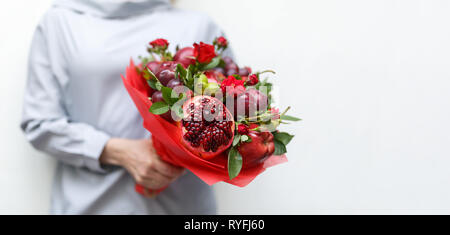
280	148
145	73
234	163
153	81
158	85
144	60
189	78
214	63
237	138
180	72
152	75
289	118
159	108
283	137
222	63
167	95
152	84
237	76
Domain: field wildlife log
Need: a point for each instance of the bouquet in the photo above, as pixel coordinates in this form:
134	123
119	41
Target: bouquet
206	113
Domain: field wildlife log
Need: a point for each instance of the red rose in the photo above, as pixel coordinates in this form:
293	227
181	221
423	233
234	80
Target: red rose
252	80
242	129
160	42
204	52
221	42
232	86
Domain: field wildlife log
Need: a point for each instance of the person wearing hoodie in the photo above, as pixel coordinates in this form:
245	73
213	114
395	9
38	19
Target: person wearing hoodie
77	110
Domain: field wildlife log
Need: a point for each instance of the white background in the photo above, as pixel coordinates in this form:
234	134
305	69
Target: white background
371	79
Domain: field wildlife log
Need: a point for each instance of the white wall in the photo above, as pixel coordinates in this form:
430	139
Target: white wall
25	175
369	78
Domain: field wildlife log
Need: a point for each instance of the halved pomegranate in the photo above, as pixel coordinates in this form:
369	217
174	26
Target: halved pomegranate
207	128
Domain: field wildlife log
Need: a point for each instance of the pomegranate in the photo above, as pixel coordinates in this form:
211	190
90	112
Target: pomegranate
249	103
185	56
207	128
256	151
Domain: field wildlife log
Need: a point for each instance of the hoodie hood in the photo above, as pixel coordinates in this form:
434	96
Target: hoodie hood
113	8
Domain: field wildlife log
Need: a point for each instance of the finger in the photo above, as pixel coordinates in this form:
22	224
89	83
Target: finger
149	193
167	169
155	181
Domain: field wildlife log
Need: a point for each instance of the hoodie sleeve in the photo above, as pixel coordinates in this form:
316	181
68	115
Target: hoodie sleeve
45	122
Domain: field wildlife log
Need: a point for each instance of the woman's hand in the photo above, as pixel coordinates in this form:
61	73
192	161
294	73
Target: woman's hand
141	161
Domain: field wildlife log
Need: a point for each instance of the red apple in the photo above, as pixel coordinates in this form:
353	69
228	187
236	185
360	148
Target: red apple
255	152
249	103
184	56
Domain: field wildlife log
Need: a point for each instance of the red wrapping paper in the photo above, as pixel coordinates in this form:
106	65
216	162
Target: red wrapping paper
166	140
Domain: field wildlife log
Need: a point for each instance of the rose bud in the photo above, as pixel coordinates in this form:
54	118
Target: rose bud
221	42
243	129
252	80
159	43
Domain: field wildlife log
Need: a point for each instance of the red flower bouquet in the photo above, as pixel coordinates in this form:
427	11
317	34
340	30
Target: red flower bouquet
206	114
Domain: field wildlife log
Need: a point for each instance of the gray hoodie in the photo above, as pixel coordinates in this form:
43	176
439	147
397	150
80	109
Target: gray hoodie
75	101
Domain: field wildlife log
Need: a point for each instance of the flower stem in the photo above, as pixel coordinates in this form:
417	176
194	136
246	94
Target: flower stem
266	71
285	111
